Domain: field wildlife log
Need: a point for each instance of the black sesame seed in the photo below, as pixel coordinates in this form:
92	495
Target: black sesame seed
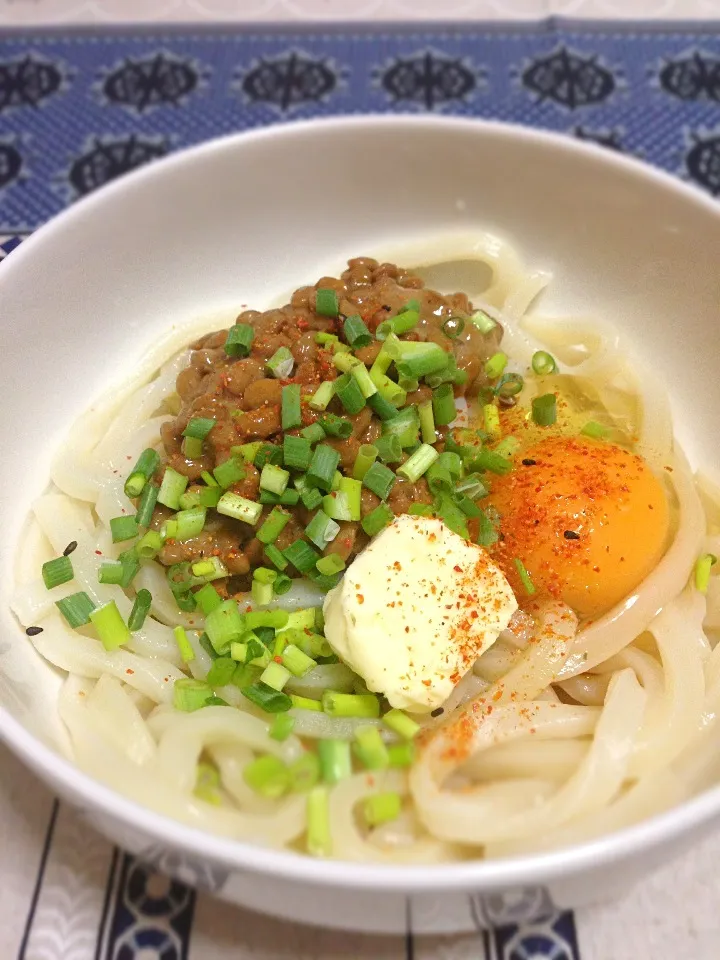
527	462
69	548
571	535
33	631
438	712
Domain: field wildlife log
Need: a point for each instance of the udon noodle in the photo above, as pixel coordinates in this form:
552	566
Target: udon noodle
590	729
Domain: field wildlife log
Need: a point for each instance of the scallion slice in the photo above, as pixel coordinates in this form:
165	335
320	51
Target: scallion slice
326	302
172	487
297	453
400	723
57	571
140	610
363	379
314	432
109	625
291	414
379	518
207	598
76	609
189	523
489	460
123	528
302	556
269	700
147	464
225	624
228	472
190	695
330	565
322	396
275	557
495	366
356	333
146	505
322	467
443	404
274	479
382	406
349	393
543	363
297	662
239	338
350	704
482	321
416	465
184	646
704	565
595	430
401	754
335	760
402	322
321	530
491	420
281	363
366	456
306	703
319	838
524	576
370	749
273	525
281	727
335	426
379	480
389	449
509	385
544	410
233	505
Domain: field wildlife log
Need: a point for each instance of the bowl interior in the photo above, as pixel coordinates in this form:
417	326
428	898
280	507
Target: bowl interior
244	220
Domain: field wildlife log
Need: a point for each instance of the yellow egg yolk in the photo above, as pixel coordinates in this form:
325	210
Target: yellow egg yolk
589	521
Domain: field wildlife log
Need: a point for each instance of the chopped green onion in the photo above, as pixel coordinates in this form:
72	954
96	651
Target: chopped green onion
140	610
335	761
225	624
401	724
302	556
330	565
248	451
491	419
57	571
297	453
274	479
401	754
443	404
322	467
381	808
322	396
281	363
326	302
379	479
149	545
199	428
495	366
146	506
304	772
383	361
335	426
508	447
306	703
409	384
321	530
350	704
297	662
303	619
291	414
221	672
489	460
356	333
524	576
364	381
543	363
325	339
76	608
189	523
544	410
702	571
416	465
208	478
275	675
379	518
420	510
452	516
595	430
262	593
207	598
281	727
337	506
453	327
184	646
147	464
288	498
482	321
238	341
264	575
110	626
349	393
346	361
277	619
314	433
274	556
118	572
427	422
123	528
422	364
401	323
190	695
209	568
273	525
370	749
366	456
353	491
269	700
389	448
319	838
204	642
382	406
268	776
509	385
268	453
233	505
230	471
172	486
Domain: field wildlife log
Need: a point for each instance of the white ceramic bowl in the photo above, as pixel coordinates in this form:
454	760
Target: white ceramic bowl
238	221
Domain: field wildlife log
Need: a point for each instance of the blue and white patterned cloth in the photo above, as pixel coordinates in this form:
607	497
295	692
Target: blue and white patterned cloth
80	109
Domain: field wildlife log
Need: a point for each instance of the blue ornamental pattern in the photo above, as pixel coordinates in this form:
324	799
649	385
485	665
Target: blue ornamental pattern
79	110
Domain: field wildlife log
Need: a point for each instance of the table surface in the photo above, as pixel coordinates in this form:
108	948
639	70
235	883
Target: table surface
67	893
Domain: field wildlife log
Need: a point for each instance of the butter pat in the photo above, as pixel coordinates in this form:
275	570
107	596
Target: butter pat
415	610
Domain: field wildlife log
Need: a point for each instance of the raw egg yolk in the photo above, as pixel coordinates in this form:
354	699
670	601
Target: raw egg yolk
588	520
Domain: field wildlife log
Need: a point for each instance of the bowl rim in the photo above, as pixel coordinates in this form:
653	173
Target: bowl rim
479	875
